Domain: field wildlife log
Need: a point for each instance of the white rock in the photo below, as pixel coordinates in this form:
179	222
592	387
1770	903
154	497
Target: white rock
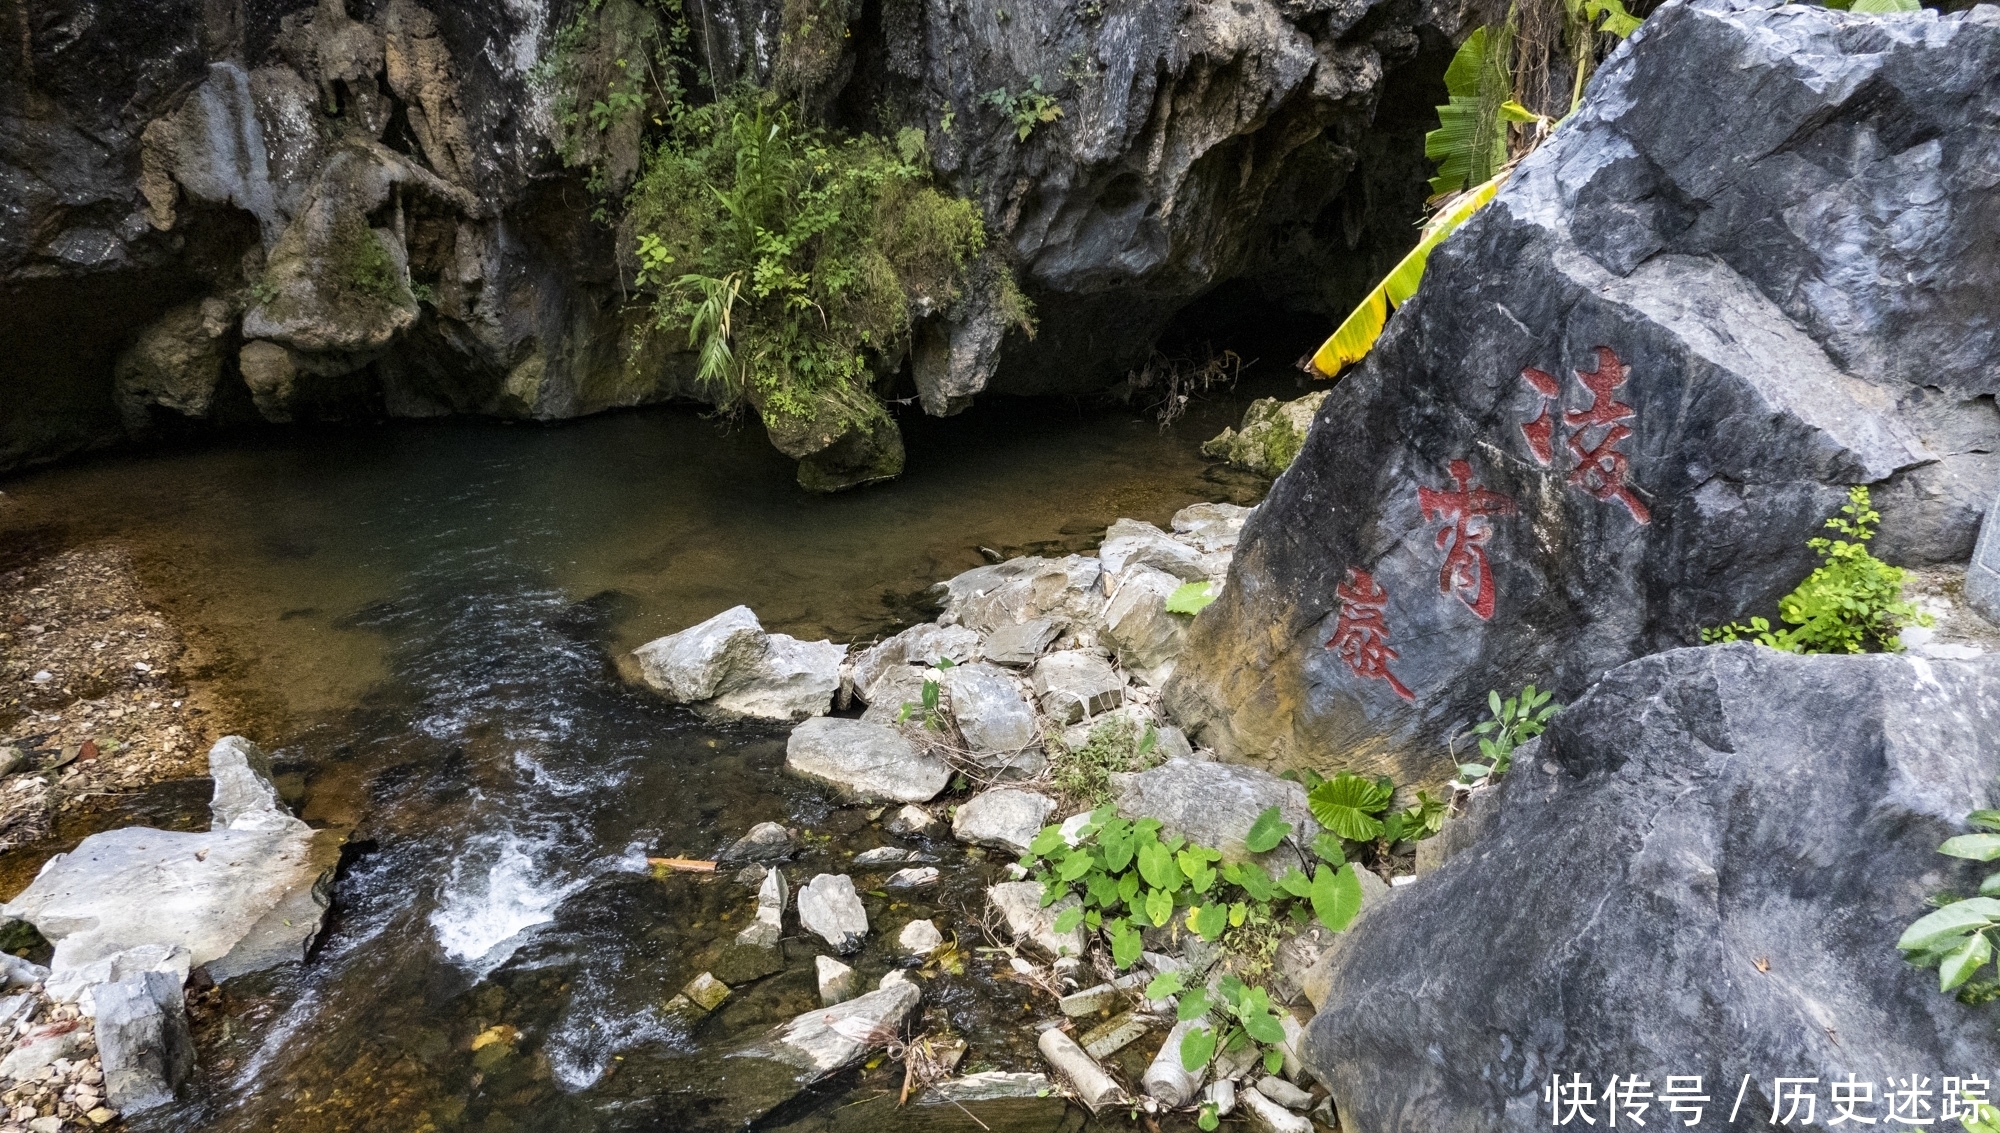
829	907
897	976
143	1041
829	1038
768	926
1023	590
1130	543
1222	1094
919	938
693	665
1005	818
1272	1117
1210	527
1284	1093
1020	904
244	797
836	980
863	759
1146	639
989	708
915	877
1087	1080
794	680
38	1049
881	855
910	820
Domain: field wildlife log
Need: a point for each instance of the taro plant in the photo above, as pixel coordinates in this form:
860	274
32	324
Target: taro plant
1235	1014
1129	876
1513	722
1852	602
1958	938
1355	809
1191	598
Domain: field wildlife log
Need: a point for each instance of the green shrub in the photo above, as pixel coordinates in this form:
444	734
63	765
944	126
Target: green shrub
1958	938
789	254
1514	722
1116	743
1026	109
1851	603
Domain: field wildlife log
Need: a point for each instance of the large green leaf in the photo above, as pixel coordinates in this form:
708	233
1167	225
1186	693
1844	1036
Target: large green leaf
1159	906
1125	947
1348	804
1265	833
1336	896
1963	961
1470	143
1209	920
1190	598
1879	7
1252	879
1156	865
1197	1047
1978	847
1955	919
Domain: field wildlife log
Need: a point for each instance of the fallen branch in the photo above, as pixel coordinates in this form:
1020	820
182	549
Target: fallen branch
682	865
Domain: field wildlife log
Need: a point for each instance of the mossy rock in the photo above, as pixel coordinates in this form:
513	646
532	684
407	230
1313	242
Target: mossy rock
1273	432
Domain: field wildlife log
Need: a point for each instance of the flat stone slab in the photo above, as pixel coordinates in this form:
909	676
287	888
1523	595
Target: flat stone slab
829	908
865	760
1115	1034
1005	818
991	1085
831	1038
915	877
1017	646
989	708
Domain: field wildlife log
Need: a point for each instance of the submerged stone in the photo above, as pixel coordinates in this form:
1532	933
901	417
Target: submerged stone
1272	433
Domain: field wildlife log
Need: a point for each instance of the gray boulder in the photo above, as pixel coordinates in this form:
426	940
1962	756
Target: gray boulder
1211	527
1982	574
766	842
1727	840
1017	646
244	797
1020	906
1631	389
794	680
1024	590
695	663
820	1042
1137	627
1214	804
829	908
1132	543
1004	817
767	927
921	646
142	1038
987	704
1076	683
865	759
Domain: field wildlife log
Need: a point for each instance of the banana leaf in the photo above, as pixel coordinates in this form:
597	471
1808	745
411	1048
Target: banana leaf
1470	143
1357	333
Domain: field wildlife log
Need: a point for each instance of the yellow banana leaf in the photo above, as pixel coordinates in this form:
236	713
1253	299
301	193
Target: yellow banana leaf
1357	333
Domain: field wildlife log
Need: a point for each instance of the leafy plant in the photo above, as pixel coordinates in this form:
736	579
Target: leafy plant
1027	109
1513	722
927	707
1350	805
1190	598
1238	1014
1851	602
1876	7
1470	143
1116	743
1958	939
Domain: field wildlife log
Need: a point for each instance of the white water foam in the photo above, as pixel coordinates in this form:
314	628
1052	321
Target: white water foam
496	894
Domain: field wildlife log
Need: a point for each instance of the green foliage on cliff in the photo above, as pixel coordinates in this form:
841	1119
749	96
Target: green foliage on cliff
788	253
1852	603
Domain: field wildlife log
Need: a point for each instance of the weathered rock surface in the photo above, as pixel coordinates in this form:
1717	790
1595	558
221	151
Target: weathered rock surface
1631	389
1733	837
1020	905
919	938
836	980
1213	804
990	1085
987	704
1211	527
921	646
1138	630
865	759
235	899
728	668
1017	646
767	927
829	908
696	663
915	877
1003	817
910	820
765	842
1273	432
1076	683
1023	590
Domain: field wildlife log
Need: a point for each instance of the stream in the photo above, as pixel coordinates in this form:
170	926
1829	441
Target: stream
422	621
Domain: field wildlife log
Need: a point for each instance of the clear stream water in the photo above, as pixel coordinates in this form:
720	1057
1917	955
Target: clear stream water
422	622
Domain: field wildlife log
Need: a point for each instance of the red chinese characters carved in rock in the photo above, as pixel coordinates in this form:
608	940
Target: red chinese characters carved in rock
1602	471
1361	635
1466	572
1541	432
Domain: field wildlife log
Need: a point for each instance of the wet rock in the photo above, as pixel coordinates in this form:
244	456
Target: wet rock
865	760
1678	855
989	708
1283	1092
919	938
914	878
896	977
1115	1034
991	1085
1273	432
696	663
1131	543
837	981
1165	1079
910	820
1017	646
920	646
1002	817
1271	1117
703	994
234	900
737	963
1139	631
829	908
793	680
1213	804
1075	683
1092	1000
1088	1082
1020	905
1617	409
881	855
176	364
245	798
766	842
821	1042
769	924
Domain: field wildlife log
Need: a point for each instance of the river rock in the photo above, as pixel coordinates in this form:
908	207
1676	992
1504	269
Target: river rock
1020	905
696	663
837	981
865	760
1115	1034
919	938
143	1041
829	907
793	680
1005	818
1211	527
895	689
1076	683
1273	432
768	926
991	1085
1132	543
1017	646
881	855
1632	388
235	899
34	1051
1139	631
1673	848
1213	804
915	877
821	1042
921	646
989	708
910	820
1023	590
766	842
1166	1080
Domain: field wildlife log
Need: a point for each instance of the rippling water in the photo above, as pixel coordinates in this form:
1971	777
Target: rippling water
423	622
